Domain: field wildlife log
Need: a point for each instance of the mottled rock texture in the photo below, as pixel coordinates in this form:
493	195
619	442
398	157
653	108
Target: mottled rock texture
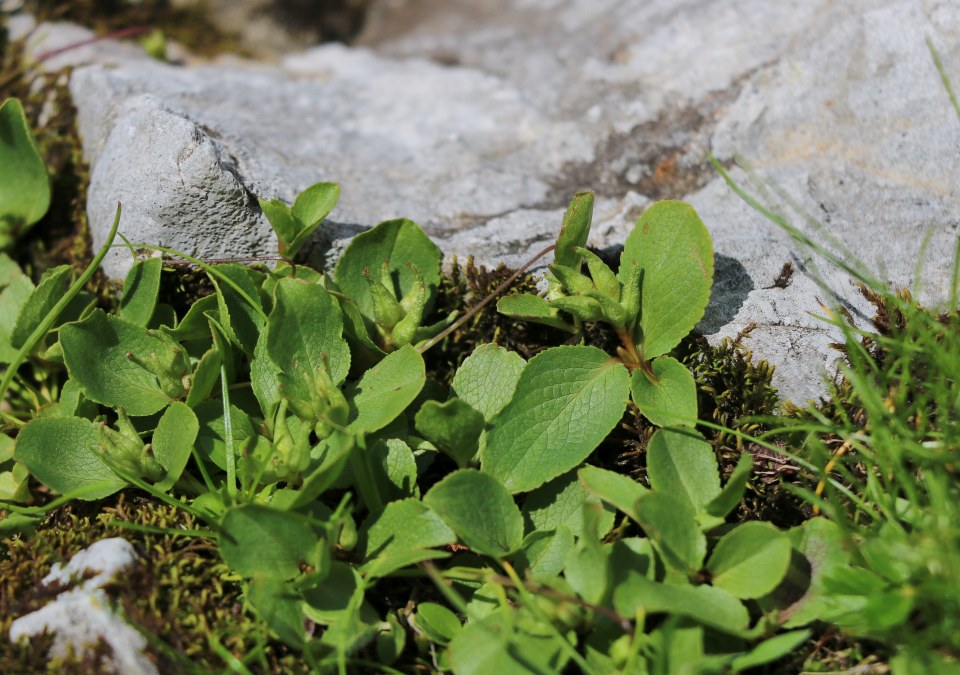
480	118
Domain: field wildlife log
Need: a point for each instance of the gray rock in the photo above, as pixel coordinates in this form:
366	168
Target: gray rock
480	118
80	617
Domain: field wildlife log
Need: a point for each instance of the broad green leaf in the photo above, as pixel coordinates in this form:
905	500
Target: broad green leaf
245	320
12	299
750	560
672	247
313	204
496	644
212	436
173	441
403	528
265	377
310	208
560	503
63	454
575	230
280	605
770	650
52	287
304	335
669	520
281	220
140	289
683	464
532	308
480	511
258	541
399	242
587	570
24	183
824	544
614	488
707	605
98	353
331	455
670	400
335	597
487	379
733	489
567	400
195	325
437	622
205	377
394	469
453	426
543	552
386	390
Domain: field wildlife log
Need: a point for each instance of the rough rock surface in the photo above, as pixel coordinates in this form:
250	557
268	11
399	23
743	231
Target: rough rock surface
480	118
80	617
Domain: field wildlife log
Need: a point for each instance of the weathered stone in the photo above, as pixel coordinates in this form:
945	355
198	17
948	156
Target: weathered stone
80	617
480	118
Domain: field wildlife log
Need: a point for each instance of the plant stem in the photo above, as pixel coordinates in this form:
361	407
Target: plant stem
44	327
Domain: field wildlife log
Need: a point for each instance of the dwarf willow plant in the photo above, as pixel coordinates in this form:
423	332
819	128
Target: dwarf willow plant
24	183
291	413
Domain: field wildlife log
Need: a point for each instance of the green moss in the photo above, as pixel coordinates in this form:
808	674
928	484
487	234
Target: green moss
179	594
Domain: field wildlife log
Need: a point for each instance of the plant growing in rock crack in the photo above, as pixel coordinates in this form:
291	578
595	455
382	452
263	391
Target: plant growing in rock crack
291	414
653	301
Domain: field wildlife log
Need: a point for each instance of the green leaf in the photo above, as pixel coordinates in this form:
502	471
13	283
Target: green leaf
575	230
683	464
543	552
603	277
824	544
245	316
750	560
613	488
707	605
669	520
331	453
205	376
12	299
140	290
672	247
309	209
336	597
211	438
63	454
453	426
173	441
24	183
403	528
587	570
487	379
96	354
670	400
530	307
258	541
394	469
52	287
281	220
496	644
399	242
438	623
583	307
480	511
561	503
733	490
307	329
386	390
567	400
280	605
770	650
